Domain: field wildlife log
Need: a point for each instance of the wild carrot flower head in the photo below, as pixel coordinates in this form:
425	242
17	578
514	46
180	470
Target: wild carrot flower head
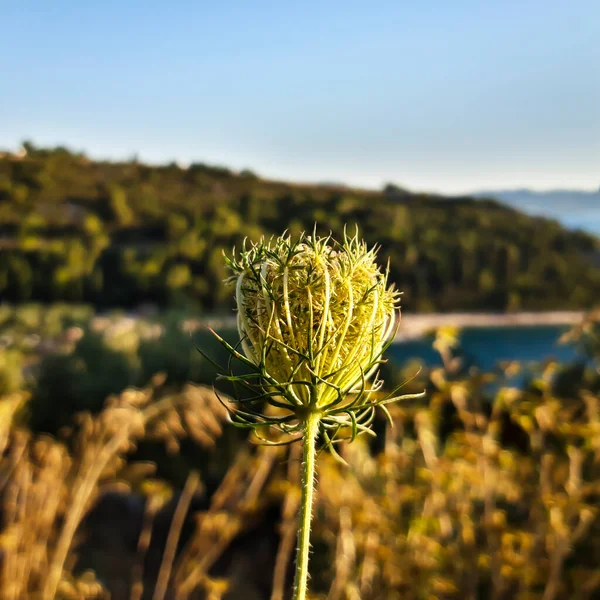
314	317
313	310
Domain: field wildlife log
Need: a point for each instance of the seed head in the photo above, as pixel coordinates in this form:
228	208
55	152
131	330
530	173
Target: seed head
314	318
314	310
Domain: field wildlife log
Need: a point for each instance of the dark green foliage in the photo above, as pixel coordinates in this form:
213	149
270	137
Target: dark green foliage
71	360
173	354
122	234
82	380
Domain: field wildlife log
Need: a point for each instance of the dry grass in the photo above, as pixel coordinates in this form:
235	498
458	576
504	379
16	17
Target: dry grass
48	487
472	517
465	499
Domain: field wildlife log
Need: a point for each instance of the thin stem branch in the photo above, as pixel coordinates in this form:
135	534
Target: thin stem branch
309	452
164	574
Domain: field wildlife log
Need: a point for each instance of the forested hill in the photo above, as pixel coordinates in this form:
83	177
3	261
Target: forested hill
122	234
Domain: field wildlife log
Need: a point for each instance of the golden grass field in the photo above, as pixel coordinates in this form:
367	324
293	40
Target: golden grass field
480	490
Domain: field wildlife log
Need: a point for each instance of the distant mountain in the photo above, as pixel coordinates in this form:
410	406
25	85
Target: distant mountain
574	208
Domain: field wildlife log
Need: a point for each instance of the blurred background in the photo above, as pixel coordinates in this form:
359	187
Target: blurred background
139	141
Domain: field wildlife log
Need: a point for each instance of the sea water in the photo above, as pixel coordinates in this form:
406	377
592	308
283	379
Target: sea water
485	347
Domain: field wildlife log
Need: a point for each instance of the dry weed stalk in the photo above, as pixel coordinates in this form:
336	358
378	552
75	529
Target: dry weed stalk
233	506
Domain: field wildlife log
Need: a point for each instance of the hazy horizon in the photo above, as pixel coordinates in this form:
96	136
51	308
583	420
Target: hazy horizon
15	148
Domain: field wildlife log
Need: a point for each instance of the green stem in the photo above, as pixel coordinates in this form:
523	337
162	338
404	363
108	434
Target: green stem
309	452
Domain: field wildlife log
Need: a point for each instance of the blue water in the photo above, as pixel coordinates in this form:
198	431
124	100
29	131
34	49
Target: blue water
484	347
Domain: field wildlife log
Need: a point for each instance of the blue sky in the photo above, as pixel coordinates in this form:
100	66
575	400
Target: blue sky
437	95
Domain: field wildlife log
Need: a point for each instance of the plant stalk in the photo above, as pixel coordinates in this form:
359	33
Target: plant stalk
309	452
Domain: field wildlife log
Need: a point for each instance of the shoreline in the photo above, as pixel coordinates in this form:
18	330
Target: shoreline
417	325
